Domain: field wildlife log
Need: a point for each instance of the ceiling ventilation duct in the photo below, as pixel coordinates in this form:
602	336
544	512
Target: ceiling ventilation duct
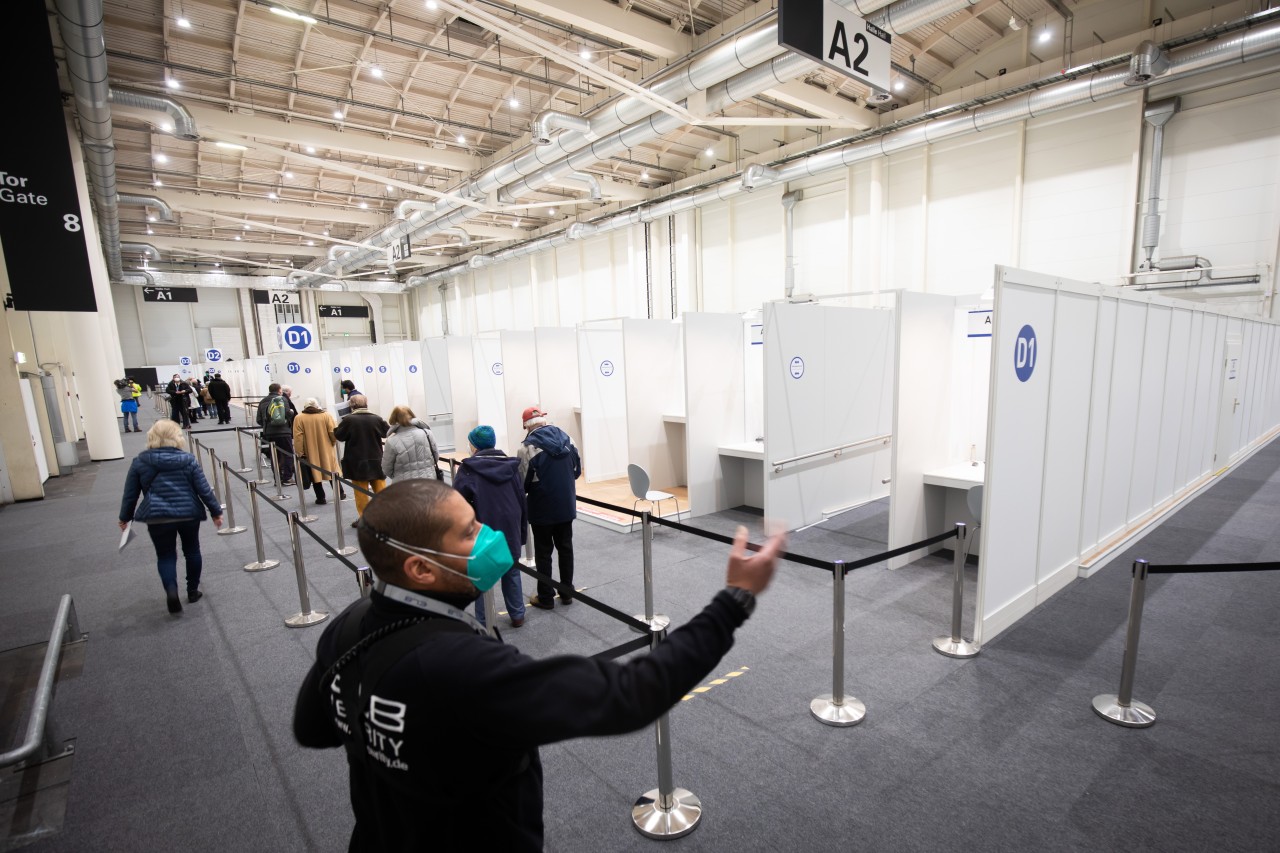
756	175
1149	60
166	214
184	125
145	249
404	208
549	120
464	239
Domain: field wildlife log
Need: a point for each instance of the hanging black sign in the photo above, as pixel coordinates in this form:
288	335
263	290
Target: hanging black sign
261	297
41	224
170	294
344	310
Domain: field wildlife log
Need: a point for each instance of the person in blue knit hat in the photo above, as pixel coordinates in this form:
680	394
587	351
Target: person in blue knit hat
490	481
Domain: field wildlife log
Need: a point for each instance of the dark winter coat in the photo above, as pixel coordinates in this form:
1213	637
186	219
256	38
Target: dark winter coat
362	432
490	481
220	391
550	465
172	487
179	393
264	417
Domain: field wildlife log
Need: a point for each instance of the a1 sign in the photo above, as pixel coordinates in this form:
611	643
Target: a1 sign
828	33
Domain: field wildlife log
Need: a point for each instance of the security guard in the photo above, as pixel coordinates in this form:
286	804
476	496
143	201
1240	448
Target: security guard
441	722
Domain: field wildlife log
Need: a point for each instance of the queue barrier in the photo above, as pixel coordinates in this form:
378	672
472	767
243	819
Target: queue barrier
1121	708
41	742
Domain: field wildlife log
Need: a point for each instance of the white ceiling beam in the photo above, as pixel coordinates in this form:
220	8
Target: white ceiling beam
214	121
811	99
220	246
613	23
196	202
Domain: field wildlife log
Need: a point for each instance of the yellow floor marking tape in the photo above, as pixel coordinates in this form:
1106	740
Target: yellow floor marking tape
714	682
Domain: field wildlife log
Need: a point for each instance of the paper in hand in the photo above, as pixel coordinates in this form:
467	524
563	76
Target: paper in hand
126	536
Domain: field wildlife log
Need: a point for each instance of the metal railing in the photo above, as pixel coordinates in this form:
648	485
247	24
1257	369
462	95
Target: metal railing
833	451
40	736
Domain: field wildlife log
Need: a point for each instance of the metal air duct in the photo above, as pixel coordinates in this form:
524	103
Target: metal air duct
404	208
166	213
1157	114
757	175
549	120
144	249
789	227
184	126
1149	60
464	239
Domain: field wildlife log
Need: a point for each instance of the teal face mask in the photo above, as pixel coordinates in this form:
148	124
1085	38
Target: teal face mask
489	560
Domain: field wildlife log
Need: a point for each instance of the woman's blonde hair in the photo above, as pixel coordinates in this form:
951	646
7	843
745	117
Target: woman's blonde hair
166	433
401	416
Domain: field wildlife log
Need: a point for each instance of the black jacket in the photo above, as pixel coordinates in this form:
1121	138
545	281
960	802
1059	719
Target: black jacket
490	481
264	417
459	719
179	393
220	391
362	432
551	466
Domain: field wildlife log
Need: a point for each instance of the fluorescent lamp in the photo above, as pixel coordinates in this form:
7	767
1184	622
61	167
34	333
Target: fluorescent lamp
292	15
230	146
584	53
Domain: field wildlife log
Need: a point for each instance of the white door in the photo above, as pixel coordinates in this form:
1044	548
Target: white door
1230	404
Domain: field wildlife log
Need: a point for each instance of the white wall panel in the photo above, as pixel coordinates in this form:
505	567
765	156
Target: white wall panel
557	390
903	230
715	251
1150	402
822	244
519	383
1176	382
758	248
654	382
602	374
491	401
462	386
1099	417
714	396
1122	431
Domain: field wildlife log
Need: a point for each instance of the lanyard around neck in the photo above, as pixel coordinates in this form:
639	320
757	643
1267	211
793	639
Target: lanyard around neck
422	602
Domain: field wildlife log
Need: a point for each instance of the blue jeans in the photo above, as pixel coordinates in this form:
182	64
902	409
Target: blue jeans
134	415
512	593
165	538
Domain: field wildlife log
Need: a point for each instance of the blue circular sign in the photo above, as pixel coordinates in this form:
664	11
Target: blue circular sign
213	355
497	368
368	368
297	337
185	360
346	370
1024	353
606	368
382	368
337	370
266	368
413	368
797	367
306	370
293	367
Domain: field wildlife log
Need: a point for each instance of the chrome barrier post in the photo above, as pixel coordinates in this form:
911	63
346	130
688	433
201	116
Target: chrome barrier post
257	461
490	612
835	708
655	622
306	616
217	488
666	811
195	451
229	528
343	548
275	471
243	469
1121	708
956	646
364	580
302	493
262	563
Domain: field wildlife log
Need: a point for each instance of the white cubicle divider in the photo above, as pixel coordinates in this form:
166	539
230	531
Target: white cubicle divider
491	401
558	389
1109	408
344	369
374	368
407	387
922	441
520	383
828	393
719	452
307	373
257	376
462	382
654	383
602	374
438	391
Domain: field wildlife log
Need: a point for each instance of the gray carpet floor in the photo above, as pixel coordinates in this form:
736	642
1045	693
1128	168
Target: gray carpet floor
182	724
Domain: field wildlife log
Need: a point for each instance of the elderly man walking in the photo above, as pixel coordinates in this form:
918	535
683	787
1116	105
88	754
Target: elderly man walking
362	431
549	465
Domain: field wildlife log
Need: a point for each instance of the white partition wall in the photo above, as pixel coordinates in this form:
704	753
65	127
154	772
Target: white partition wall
654	354
715	412
345	367
462	385
828	382
438	389
558	388
602	374
520	383
1108	409
404	359
307	373
257	376
923	370
490	391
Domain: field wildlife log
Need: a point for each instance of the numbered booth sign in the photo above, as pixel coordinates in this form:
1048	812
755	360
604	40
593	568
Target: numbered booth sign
296	337
212	356
1024	353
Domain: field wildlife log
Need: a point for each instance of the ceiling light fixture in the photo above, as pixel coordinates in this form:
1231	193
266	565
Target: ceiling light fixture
159	183
390	188
644	176
311	149
231	146
151	231
462	140
151	219
364	205
326	232
551	211
337	114
421	168
246	227
272	196
172	83
288	174
162	158
237	236
514	102
584	53
898	86
432	5
711	152
375	71
1045	35
184	23
311	242
292	15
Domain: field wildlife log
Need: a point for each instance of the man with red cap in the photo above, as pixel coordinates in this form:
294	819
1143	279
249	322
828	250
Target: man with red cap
549	465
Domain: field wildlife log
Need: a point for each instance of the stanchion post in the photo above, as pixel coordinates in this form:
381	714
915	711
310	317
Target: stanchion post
230	528
666	811
306	616
655	622
364	580
1121	708
490	612
275	471
243	469
195	451
835	708
257	461
342	548
262	563
956	646
298	466
213	475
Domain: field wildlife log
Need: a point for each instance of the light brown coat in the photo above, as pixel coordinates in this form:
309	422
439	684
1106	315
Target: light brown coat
314	441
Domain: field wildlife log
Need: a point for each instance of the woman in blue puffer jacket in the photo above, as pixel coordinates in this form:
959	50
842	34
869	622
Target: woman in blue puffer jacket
174	496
